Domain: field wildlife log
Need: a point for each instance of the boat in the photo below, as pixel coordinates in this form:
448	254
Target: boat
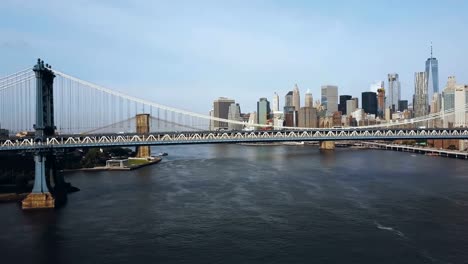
163	154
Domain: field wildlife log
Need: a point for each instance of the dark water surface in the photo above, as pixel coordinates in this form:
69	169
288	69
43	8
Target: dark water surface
244	204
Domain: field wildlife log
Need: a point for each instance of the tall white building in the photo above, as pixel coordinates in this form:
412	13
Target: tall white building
420	94
448	101
252	121
393	92
275	103
461	92
330	98
296	98
309	101
351	105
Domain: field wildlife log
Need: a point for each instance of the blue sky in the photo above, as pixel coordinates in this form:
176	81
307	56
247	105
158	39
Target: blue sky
187	53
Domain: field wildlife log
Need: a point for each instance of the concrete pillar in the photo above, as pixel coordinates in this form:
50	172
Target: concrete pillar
40	197
143	127
327	145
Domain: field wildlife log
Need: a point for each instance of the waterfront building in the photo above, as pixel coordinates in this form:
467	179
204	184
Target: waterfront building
330	98
275	103
309	101
235	115
296	97
432	77
369	102
420	94
307	117
393	91
221	110
263	111
342	105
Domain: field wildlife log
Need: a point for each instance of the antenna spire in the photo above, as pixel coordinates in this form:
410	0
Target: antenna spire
431	49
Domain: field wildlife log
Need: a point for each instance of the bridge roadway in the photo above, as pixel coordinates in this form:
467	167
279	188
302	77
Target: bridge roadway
227	137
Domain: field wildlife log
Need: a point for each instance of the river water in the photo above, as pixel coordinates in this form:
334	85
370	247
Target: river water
254	204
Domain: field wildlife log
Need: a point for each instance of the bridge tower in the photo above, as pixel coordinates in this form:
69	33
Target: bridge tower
40	197
143	127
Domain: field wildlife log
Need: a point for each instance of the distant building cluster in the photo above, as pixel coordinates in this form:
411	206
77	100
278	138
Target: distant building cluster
377	106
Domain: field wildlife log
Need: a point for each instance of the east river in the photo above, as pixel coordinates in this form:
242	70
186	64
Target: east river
254	204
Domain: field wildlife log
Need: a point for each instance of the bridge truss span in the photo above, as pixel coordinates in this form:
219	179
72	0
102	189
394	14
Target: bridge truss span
210	137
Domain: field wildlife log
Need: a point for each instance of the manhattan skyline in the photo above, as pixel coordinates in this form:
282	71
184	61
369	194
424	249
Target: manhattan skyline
170	53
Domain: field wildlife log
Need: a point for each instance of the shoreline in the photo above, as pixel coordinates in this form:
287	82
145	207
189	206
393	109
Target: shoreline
130	168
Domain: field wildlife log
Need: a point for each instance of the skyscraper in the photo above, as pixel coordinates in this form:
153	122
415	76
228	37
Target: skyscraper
275	103
420	94
351	106
263	111
402	105
309	101
342	105
461	100
221	110
448	100
330	98
369	102
234	114
393	91
307	117
380	102
288	102
432	77
296	97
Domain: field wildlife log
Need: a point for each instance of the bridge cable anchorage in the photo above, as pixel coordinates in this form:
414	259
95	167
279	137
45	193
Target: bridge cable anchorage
145	103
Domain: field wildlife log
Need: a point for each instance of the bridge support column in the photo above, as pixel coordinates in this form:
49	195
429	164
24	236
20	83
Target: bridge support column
40	197
143	127
327	145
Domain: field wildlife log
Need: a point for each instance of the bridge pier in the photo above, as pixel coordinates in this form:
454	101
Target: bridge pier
143	127
327	145
40	197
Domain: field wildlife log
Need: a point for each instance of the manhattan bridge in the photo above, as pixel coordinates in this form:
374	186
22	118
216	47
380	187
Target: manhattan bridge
66	112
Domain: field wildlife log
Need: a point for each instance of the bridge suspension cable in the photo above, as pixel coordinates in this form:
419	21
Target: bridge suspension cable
82	106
